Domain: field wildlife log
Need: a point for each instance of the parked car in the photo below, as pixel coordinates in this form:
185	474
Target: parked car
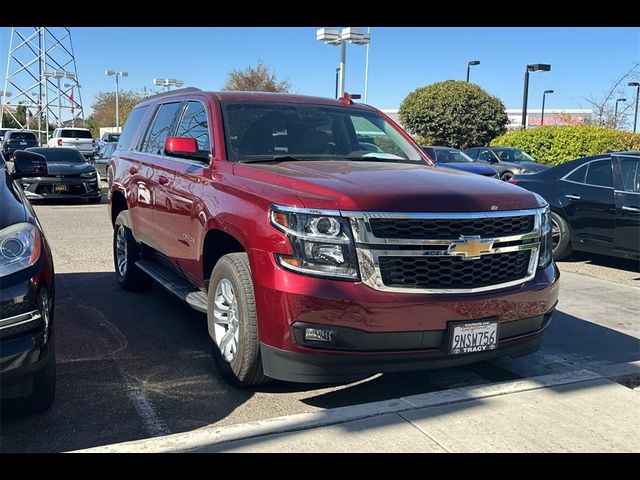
3	132
15	140
595	204
79	139
103	158
27	342
506	161
107	137
453	158
323	260
69	175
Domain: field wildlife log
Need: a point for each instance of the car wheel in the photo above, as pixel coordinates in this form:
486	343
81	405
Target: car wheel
506	176
125	255
232	321
561	237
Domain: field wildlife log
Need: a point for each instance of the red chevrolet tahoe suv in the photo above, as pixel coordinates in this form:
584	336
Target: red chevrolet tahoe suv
320	240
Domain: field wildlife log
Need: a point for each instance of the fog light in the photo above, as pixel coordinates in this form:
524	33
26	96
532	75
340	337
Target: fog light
319	335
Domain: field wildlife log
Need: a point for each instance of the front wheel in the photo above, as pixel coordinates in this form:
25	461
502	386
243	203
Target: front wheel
506	176
125	255
232	321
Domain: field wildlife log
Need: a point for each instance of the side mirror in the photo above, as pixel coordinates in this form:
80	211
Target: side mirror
28	164
184	147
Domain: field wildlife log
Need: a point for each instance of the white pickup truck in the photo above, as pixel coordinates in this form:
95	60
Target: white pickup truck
77	138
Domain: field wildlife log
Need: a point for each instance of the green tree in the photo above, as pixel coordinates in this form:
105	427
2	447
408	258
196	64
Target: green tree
453	114
104	108
256	79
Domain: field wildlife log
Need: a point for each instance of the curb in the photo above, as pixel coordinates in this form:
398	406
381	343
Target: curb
207	436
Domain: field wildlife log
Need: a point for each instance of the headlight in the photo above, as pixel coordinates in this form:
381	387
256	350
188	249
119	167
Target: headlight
322	242
546	240
88	174
20	246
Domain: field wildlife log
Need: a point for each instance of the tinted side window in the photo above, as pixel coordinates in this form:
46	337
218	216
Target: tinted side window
630	169
194	124
600	173
130	127
579	174
485	155
431	153
160	129
472	152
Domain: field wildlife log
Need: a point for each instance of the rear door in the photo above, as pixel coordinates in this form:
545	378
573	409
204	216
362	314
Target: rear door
79	139
627	195
589	204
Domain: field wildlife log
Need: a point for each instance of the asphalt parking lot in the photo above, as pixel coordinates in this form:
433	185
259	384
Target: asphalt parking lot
132	366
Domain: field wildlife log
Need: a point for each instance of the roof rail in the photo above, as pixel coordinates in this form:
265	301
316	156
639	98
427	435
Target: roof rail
172	92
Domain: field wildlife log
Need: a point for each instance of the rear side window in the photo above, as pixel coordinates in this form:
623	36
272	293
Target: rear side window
579	174
160	130
630	169
600	173
75	134
130	127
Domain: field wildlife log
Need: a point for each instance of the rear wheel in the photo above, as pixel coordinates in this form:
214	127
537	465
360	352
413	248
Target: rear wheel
125	255
506	176
561	237
232	321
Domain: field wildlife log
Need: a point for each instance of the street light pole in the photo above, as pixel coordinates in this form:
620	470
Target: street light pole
469	65
544	94
343	62
536	67
111	73
635	116
615	112
337	80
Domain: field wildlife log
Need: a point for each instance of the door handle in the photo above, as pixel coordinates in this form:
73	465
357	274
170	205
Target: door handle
133	170
573	197
162	180
631	209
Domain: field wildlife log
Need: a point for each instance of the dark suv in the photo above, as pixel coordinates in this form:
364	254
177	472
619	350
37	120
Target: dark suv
27	344
18	140
320	241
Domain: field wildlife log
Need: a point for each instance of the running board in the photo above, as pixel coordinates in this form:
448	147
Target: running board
175	284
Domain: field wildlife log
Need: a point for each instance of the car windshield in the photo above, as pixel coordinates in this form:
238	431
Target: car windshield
75	133
514	155
270	131
452	156
60	155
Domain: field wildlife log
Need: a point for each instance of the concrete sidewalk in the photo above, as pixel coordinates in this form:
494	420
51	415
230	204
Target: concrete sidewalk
579	411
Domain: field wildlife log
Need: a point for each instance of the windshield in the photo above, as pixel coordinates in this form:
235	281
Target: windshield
513	155
452	156
75	133
256	132
60	155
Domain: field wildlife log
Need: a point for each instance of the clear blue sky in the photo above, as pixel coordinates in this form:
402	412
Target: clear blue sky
584	60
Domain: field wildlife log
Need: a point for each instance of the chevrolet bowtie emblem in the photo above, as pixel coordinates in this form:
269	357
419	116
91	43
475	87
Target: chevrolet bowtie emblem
470	248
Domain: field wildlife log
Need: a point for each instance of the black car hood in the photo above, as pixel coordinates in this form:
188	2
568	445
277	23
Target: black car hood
533	166
61	168
12	208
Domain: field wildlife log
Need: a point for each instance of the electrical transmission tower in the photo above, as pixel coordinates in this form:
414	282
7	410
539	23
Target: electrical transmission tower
41	88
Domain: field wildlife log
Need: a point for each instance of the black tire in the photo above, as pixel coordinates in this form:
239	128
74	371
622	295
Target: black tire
245	368
506	176
562	240
129	277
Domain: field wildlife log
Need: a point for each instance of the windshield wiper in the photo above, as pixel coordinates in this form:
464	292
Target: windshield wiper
385	160
281	158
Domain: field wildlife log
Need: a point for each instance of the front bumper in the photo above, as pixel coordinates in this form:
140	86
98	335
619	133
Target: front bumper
412	325
42	188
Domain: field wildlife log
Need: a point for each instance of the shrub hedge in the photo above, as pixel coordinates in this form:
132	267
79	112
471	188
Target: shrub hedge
557	144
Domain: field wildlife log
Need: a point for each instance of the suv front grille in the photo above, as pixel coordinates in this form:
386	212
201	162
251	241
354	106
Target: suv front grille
449	272
450	229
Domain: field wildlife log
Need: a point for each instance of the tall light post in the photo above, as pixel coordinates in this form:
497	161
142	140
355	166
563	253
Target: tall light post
635	116
58	74
469	65
112	73
536	67
332	36
615	112
168	82
544	95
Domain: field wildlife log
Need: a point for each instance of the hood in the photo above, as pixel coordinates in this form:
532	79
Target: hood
62	168
470	167
533	167
12	209
385	187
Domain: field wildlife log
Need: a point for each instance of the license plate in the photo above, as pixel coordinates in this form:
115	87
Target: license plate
60	188
470	337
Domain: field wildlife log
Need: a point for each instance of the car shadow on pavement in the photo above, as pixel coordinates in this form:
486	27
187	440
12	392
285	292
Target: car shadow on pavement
604	261
137	365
